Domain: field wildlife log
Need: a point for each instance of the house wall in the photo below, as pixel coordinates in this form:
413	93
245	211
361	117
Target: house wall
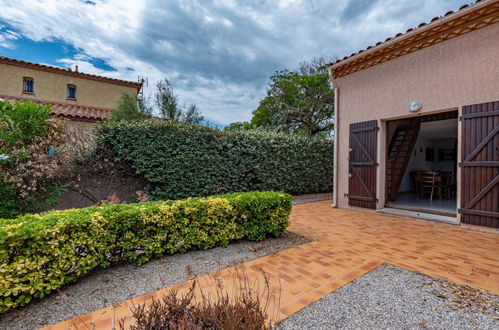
445	76
79	126
51	86
79	135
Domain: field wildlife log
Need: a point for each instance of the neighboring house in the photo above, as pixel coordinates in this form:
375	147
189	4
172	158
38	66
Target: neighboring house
418	115
80	97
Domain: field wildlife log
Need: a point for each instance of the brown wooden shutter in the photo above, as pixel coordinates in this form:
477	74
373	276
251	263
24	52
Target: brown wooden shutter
480	165
363	164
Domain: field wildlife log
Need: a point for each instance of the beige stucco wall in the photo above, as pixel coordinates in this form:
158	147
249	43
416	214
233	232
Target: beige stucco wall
51	86
79	135
451	74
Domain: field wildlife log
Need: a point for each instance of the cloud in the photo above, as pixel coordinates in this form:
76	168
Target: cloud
355	8
7	38
218	54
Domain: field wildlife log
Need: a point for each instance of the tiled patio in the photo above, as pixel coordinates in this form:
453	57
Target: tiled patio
349	244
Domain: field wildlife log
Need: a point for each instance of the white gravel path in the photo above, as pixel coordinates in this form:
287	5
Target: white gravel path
390	297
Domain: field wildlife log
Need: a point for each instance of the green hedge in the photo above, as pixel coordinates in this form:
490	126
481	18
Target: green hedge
39	253
180	160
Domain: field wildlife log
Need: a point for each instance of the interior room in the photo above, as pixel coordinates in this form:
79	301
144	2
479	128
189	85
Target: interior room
429	179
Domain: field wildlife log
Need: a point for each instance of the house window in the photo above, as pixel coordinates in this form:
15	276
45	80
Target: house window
72	92
28	85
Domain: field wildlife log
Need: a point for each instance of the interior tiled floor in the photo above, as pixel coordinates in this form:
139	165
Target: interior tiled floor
410	199
347	244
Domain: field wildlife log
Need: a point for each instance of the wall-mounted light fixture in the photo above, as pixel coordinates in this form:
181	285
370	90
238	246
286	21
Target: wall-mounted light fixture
414	106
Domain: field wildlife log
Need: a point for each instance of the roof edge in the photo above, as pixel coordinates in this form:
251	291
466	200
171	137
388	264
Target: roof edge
411	32
4	96
91	113
69	72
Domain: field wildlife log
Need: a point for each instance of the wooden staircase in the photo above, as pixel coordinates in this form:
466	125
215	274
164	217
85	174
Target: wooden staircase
399	154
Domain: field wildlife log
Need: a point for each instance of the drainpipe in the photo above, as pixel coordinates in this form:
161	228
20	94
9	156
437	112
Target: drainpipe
335	141
335	151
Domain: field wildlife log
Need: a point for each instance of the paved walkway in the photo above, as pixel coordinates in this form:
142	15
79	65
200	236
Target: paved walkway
348	244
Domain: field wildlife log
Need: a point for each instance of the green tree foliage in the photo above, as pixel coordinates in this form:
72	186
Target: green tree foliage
41	253
192	115
299	101
179	160
167	101
131	107
238	126
169	107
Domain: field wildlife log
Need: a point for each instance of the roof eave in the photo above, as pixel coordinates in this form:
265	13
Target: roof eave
407	35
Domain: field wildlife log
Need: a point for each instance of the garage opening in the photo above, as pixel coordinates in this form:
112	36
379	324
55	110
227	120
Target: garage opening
421	164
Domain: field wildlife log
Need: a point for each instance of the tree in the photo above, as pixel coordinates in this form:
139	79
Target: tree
238	126
169	108
167	101
192	115
315	65
300	101
131	107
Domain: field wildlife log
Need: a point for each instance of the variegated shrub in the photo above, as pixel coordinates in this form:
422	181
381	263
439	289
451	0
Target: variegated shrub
40	253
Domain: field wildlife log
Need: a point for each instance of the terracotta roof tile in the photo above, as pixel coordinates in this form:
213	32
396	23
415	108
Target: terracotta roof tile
69	72
66	110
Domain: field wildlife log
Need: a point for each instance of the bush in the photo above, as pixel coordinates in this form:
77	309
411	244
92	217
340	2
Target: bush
40	253
9	207
23	123
179	160
29	139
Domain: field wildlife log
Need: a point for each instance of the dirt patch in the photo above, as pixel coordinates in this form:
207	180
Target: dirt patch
90	190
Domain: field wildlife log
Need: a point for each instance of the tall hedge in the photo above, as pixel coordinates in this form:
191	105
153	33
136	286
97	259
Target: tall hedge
40	253
180	160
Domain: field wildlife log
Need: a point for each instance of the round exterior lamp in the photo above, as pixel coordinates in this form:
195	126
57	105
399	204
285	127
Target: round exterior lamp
414	106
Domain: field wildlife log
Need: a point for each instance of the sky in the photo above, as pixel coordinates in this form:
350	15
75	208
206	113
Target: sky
218	55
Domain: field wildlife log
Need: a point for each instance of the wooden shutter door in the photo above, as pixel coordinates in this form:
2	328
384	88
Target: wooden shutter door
480	165
362	164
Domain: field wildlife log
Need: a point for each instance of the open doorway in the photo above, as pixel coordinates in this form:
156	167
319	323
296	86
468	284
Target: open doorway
421	164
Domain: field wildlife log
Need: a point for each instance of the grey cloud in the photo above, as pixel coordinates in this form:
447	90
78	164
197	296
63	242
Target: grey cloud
355	8
213	50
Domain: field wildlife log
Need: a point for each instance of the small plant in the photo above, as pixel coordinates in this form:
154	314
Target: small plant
140	197
110	200
248	306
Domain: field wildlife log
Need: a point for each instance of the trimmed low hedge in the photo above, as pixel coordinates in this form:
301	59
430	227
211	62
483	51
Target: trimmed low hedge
179	160
42	252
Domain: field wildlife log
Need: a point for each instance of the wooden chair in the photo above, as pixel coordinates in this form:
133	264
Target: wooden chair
444	185
426	181
415	178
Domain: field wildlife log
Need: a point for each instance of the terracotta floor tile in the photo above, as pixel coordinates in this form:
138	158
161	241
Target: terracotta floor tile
104	322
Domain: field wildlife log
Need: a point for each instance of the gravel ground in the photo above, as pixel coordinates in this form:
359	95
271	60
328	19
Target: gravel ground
309	198
118	283
390	297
